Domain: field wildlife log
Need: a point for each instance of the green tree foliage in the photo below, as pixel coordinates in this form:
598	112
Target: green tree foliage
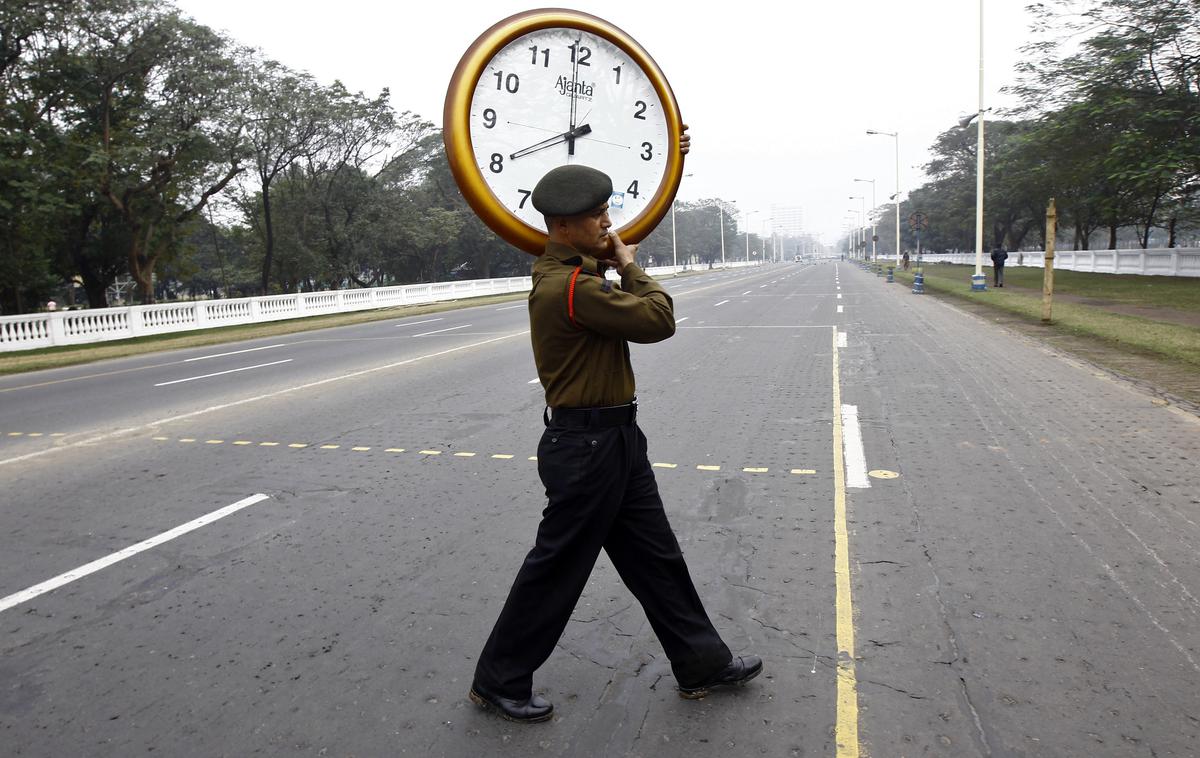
1109	125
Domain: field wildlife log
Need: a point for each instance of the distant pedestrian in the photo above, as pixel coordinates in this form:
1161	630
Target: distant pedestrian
51	306
999	256
906	260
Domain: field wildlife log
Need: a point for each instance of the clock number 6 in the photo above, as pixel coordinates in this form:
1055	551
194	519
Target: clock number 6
649	151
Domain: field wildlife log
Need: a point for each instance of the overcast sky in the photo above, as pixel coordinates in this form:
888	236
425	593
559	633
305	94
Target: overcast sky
778	95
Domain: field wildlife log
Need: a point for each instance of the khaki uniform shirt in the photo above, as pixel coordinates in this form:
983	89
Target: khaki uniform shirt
585	363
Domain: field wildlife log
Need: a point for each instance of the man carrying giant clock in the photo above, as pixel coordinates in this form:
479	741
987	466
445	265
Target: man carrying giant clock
592	460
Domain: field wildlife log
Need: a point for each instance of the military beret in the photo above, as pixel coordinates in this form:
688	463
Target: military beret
571	190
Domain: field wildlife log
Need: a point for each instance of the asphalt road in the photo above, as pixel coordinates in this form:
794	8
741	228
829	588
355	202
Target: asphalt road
1022	575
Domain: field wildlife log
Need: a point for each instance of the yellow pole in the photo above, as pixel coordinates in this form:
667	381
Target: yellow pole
1048	265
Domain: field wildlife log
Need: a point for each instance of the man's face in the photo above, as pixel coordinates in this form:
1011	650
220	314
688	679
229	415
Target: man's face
588	233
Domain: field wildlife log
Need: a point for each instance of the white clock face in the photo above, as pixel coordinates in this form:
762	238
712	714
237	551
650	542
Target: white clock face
558	96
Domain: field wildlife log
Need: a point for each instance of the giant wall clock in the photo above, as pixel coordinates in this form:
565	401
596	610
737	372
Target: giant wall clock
549	87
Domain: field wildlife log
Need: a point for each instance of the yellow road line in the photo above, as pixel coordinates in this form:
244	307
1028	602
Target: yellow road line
803	471
464	455
214	442
846	734
360	449
503	457
708	468
330	447
394	450
665	465
431	452
755	470
36	434
163	439
187	439
297	444
268	444
15	434
242	442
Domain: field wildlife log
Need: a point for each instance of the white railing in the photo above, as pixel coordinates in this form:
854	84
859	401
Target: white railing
1178	261
77	327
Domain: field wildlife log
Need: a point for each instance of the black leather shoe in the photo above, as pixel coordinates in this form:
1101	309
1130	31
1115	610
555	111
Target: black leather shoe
530	711
739	671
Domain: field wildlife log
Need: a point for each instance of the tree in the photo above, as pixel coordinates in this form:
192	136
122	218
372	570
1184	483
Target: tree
1138	73
168	99
288	119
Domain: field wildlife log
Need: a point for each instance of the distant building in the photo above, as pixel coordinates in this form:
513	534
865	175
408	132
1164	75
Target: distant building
787	220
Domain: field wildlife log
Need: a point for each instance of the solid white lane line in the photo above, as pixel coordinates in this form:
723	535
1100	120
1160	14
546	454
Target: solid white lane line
235	352
439	331
533	381
426	321
681	320
510	307
222	373
90	568
720	303
841	339
254	399
762	326
747	292
852	444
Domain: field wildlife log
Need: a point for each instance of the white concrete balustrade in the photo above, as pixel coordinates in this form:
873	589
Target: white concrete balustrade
77	327
1179	261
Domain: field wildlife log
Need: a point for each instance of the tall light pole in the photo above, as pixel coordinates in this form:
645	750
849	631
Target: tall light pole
979	281
858	217
721	223
863	198
674	250
895	136
874	254
746	215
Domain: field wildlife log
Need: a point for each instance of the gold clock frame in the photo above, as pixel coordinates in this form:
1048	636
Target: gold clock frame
456	124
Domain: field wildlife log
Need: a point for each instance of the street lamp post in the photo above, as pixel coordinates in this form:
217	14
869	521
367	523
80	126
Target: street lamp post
874	254
979	281
721	222
674	249
747	215
895	136
863	237
858	216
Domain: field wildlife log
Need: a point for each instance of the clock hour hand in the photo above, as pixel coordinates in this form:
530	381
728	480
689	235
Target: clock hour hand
569	135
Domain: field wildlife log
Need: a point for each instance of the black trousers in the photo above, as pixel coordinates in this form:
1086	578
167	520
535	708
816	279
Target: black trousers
998	275
602	494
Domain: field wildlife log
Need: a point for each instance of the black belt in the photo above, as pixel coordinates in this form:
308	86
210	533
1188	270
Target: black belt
582	418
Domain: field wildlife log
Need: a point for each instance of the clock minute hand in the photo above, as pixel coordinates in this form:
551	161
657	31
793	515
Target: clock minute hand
579	131
574	92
